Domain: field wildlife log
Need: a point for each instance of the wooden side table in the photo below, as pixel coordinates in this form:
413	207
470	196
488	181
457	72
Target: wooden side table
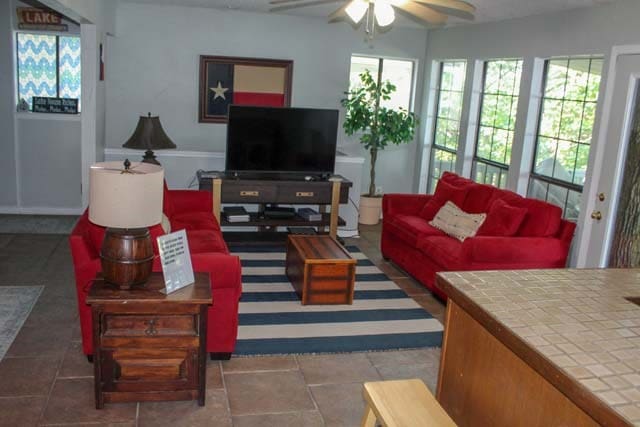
149	346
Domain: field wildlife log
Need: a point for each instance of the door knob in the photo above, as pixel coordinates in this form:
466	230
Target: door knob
597	215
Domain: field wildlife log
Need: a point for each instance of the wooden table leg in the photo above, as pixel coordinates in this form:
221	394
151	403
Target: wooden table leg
217	195
369	418
335	208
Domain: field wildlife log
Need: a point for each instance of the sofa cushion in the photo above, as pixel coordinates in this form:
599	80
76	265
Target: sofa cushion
410	228
204	241
456	222
194	221
502	220
443	250
444	192
542	219
478	198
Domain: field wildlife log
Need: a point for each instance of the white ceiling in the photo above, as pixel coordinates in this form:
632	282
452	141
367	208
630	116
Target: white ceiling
486	10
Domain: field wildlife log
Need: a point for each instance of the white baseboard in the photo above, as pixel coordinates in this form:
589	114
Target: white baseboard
39	210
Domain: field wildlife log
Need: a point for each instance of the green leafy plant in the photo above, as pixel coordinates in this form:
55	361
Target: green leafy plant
379	125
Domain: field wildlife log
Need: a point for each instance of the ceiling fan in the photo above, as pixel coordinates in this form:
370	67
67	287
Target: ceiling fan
382	12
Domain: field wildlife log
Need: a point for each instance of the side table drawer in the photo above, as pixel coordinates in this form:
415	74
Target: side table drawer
149	325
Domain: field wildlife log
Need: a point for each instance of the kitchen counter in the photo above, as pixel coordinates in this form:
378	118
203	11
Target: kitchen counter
576	331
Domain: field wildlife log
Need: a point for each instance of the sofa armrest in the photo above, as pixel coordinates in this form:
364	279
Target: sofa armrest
184	201
513	252
407	204
224	269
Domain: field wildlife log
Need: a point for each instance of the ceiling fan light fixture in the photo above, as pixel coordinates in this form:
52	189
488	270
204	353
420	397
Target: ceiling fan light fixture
357	9
384	13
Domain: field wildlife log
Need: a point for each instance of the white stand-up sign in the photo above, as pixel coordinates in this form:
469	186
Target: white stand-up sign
176	261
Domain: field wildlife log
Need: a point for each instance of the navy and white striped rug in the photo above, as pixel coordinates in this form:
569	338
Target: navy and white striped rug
272	320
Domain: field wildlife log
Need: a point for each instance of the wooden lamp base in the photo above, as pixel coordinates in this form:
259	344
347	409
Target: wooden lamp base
127	256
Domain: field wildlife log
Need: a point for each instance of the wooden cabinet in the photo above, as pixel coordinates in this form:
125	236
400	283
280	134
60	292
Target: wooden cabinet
149	346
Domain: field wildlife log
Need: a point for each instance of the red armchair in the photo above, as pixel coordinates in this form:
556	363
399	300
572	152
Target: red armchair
192	211
541	240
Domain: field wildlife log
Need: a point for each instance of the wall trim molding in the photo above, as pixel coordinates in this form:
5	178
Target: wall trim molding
165	153
39	210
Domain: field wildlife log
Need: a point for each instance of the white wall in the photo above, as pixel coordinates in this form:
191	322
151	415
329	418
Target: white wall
152	65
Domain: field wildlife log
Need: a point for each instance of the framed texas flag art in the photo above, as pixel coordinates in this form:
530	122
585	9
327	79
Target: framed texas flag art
227	80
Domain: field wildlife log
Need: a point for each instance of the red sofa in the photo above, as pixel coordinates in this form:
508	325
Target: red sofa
192	211
518	233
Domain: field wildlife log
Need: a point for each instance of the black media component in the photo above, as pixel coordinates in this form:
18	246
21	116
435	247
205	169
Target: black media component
270	140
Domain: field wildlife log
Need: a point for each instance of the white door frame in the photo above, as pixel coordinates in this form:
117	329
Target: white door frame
596	167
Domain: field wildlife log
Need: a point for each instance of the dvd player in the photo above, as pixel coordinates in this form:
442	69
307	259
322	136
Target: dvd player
279	212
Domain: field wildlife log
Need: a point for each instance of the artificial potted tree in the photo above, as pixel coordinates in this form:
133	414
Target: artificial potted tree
379	126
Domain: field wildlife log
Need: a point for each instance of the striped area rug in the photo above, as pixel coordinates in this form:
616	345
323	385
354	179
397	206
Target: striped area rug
272	320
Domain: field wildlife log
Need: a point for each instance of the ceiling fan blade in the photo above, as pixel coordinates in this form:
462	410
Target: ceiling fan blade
297	5
338	14
458	8
421	12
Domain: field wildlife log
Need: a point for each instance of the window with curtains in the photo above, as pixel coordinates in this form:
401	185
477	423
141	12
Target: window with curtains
450	92
565	131
397	71
498	110
48	65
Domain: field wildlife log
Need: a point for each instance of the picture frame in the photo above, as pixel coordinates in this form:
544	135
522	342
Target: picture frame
226	80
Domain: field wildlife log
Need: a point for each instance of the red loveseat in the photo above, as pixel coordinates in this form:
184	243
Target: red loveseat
192	211
518	232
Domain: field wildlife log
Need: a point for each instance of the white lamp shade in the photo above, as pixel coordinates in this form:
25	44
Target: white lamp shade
125	200
357	9
384	13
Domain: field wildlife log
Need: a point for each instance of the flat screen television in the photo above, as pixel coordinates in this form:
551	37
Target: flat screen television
281	140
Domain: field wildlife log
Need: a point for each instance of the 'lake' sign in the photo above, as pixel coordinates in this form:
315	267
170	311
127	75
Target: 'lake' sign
30	18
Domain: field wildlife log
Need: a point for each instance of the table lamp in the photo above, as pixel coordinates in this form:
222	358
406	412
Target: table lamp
126	198
149	136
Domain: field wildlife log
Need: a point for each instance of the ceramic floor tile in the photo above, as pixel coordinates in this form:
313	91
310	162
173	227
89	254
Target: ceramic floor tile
425	356
267	392
264	363
291	419
72	400
40	341
340	404
427	373
27	376
337	368
214	375
75	363
21	411
186	413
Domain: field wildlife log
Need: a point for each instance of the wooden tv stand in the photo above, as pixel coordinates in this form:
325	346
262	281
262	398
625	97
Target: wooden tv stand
288	191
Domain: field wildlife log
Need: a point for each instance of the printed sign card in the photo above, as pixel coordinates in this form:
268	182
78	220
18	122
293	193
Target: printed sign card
176	261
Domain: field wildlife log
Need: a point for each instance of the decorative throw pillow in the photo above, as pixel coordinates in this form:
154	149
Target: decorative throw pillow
502	219
456	222
166	225
444	192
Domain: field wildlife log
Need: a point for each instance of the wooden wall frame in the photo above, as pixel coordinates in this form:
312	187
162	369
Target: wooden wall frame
269	91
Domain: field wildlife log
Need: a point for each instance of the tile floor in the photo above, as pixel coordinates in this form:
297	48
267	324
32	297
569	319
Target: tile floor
45	379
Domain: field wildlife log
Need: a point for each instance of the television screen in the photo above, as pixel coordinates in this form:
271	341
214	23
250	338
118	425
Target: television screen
268	139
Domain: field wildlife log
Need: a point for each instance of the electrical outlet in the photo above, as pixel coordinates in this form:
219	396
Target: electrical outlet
379	189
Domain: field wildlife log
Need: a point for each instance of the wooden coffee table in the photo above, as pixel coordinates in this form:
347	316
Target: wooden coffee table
320	269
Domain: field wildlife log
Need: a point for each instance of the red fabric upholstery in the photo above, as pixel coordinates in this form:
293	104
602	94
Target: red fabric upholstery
194	221
411	228
209	254
444	192
502	220
541	241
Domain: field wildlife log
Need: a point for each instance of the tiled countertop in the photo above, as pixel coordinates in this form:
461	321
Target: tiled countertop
578	320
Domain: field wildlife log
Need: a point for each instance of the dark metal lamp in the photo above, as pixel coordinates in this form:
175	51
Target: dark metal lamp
149	136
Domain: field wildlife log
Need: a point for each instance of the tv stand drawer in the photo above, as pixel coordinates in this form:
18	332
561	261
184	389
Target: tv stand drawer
248	192
305	193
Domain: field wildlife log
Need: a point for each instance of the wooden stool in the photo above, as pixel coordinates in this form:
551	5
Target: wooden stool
402	403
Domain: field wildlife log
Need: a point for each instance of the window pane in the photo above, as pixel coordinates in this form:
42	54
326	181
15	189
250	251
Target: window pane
497	120
36	56
70	68
400	73
566	127
447	126
359	64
